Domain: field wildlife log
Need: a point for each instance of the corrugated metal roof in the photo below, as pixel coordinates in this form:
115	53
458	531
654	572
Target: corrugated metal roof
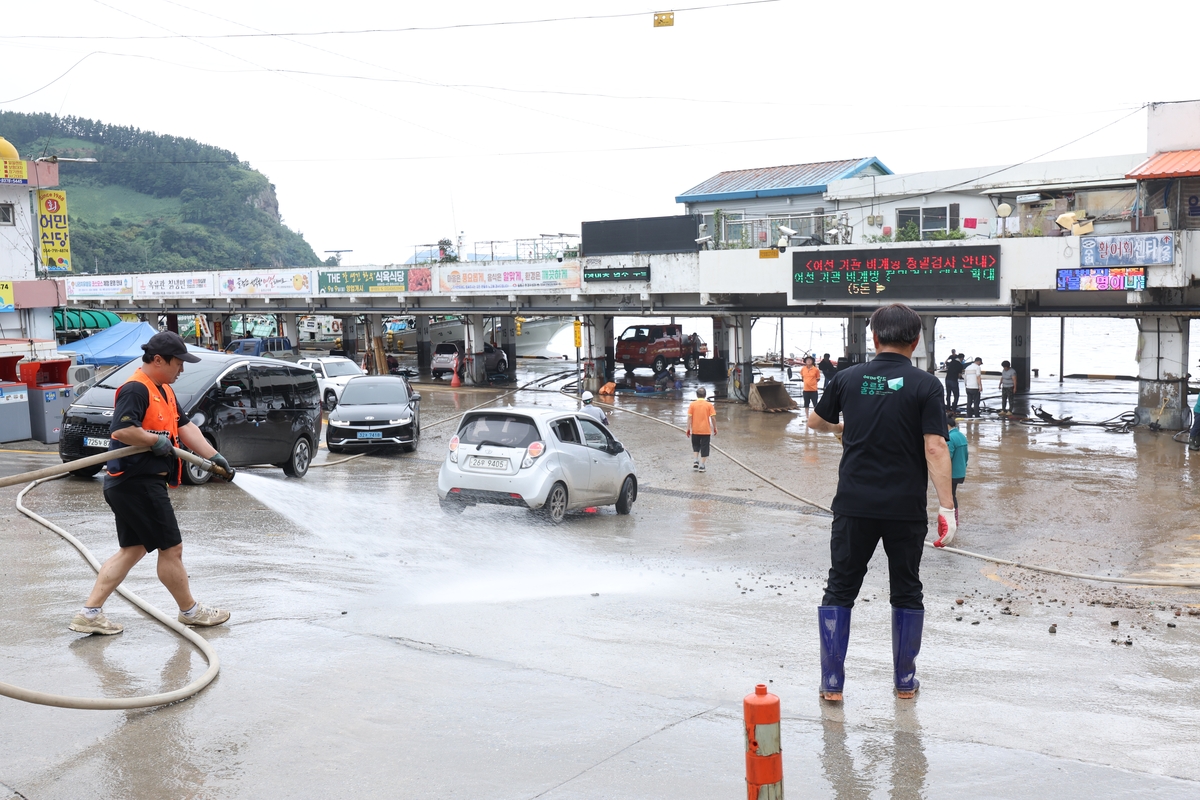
1172	164
777	181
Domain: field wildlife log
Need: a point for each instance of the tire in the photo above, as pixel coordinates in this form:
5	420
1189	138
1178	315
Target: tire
628	368
502	365
409	448
87	472
437	374
628	495
692	363
331	401
659	364
555	508
452	507
301	457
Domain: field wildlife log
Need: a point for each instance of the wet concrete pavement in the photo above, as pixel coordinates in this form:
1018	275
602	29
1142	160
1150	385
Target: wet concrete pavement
381	649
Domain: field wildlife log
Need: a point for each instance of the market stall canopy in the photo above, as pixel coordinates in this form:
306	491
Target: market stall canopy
116	345
1172	164
83	319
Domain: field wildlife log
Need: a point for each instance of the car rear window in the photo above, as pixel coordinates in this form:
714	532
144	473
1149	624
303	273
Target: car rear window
446	349
506	430
339	369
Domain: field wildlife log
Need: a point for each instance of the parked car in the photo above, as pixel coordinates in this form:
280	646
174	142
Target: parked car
495	359
658	346
551	460
253	410
375	410
265	347
333	373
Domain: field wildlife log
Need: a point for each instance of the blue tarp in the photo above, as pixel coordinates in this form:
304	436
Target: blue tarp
115	345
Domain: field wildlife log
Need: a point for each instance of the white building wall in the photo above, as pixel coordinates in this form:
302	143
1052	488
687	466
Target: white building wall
17	245
1173	126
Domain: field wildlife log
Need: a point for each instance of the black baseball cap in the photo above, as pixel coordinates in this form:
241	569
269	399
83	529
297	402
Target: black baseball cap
168	344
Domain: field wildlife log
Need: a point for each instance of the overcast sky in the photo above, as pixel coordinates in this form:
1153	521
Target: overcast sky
380	141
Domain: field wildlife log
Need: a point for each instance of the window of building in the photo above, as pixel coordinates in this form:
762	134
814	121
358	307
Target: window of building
8	215
930	220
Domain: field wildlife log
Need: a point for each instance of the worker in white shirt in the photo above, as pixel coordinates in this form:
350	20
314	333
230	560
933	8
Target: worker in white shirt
973	382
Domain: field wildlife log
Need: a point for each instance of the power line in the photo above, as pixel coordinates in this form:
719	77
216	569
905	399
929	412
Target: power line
410	29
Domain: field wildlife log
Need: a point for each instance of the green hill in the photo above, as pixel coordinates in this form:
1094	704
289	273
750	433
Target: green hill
157	203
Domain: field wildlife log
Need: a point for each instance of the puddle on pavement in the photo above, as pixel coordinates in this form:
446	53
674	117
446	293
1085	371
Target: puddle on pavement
506	556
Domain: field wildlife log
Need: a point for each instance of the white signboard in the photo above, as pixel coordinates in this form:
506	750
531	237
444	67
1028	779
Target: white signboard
175	284
267	283
100	287
500	277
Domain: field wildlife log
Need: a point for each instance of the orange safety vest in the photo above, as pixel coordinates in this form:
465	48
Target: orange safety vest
162	416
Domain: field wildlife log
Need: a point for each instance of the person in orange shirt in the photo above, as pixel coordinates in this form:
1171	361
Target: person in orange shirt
701	427
810	374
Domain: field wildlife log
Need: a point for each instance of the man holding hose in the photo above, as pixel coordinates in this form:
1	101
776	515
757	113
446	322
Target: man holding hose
894	440
146	415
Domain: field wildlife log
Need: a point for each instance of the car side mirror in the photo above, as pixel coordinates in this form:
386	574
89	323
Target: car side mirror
233	391
416	397
616	447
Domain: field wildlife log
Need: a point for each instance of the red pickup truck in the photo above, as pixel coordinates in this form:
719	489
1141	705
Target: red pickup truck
657	346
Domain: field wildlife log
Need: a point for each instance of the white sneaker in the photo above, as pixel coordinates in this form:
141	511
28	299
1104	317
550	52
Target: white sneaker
204	617
81	623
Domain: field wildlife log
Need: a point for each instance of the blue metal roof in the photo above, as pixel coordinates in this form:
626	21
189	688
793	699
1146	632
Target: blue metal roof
785	181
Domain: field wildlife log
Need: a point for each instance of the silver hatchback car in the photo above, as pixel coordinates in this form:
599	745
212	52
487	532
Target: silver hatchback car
547	459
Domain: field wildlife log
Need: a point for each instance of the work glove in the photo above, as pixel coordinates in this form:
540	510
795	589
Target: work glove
947	526
163	446
219	460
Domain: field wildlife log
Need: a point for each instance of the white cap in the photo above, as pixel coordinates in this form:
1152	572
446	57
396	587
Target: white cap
587	397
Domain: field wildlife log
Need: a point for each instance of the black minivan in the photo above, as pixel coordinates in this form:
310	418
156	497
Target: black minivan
253	410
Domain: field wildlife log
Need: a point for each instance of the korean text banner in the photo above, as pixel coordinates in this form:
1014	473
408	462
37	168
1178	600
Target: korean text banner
1102	279
267	283
7	299
100	287
507	278
14	172
929	273
175	284
52	228
367	280
1127	250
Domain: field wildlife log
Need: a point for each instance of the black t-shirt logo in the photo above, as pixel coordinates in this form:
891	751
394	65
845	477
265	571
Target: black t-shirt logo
880	384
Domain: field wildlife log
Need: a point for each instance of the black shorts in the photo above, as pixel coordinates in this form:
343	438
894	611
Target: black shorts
810	397
144	513
700	443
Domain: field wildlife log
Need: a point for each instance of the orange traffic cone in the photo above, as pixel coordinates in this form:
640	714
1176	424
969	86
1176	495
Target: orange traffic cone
455	381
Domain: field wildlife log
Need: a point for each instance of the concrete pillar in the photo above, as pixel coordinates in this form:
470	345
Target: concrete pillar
1022	324
925	357
476	365
857	339
376	348
741	360
1162	371
424	344
596	345
173	323
508	343
607	334
291	328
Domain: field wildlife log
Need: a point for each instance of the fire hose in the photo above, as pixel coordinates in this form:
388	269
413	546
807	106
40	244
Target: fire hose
108	704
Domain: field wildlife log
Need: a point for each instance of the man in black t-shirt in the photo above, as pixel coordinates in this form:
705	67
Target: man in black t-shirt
146	415
894	440
827	368
954	370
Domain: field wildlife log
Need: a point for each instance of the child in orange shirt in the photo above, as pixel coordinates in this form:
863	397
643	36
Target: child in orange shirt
810	374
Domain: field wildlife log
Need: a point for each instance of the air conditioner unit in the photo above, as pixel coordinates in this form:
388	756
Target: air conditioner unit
81	373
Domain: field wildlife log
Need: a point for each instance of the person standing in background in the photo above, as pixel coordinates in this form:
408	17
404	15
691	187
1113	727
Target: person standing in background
973	382
954	370
827	367
811	376
1008	387
701	427
958	459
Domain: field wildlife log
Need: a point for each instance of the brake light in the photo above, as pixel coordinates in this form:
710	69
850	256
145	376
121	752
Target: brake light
533	451
454	449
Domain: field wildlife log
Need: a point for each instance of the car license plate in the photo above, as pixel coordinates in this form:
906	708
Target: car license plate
95	441
370	434
489	463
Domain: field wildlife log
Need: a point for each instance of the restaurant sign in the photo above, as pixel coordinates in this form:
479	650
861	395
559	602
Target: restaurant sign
498	277
1127	250
1102	279
369	280
930	273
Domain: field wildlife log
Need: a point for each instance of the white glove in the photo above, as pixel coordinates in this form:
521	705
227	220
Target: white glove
947	526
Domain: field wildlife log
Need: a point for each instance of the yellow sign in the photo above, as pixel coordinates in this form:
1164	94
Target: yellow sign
7	300
13	172
52	223
769	252
578	333
664	20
